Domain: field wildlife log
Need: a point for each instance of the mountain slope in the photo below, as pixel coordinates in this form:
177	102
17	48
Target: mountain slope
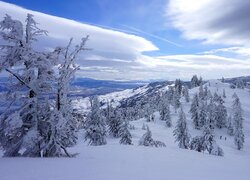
115	161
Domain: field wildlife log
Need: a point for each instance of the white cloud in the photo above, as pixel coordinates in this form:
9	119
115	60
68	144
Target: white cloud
104	42
118	55
212	21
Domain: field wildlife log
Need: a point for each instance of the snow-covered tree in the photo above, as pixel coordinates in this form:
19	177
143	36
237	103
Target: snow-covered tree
220	113
63	123
230	128
238	122
178	86
165	113
181	131
31	73
147	140
95	125
239	83
194	110
210	114
201	93
148	112
43	128
216	98
126	137
206	91
176	100
197	144
114	122
224	94
194	81
186	93
209	143
202	113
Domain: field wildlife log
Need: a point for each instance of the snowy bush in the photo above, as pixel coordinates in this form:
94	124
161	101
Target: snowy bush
147	140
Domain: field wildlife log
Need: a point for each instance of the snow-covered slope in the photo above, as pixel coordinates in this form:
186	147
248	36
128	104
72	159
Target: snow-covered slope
126	97
114	161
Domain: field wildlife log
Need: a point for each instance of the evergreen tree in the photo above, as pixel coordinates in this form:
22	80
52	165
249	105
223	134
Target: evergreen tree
95	125
210	114
230	129
181	131
220	113
176	100
178	86
126	137
239	83
197	144
194	110
146	139
148	112
224	94
238	123
165	113
202	113
201	93
194	81
186	94
114	122
209	143
206	92
31	73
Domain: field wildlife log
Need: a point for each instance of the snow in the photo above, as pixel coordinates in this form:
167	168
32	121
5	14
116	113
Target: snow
132	162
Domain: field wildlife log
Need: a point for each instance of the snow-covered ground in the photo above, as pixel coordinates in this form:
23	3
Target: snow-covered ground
120	162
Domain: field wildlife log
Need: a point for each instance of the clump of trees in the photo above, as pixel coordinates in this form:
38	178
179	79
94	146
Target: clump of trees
37	126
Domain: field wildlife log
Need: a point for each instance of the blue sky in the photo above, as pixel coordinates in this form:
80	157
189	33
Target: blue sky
176	38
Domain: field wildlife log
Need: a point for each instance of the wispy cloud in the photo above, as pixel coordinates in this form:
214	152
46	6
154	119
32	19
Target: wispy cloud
152	35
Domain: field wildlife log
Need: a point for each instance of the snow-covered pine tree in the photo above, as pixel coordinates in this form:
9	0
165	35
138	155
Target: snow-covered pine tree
200	81
238	122
209	143
202	113
216	97
210	114
186	94
114	122
63	123
206	92
178	86
220	113
194	81
31	74
165	113
230	128
201	93
126	137
95	125
181	131
197	144
239	83
224	94
146	139
176	100
170	94
148	112
194	110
